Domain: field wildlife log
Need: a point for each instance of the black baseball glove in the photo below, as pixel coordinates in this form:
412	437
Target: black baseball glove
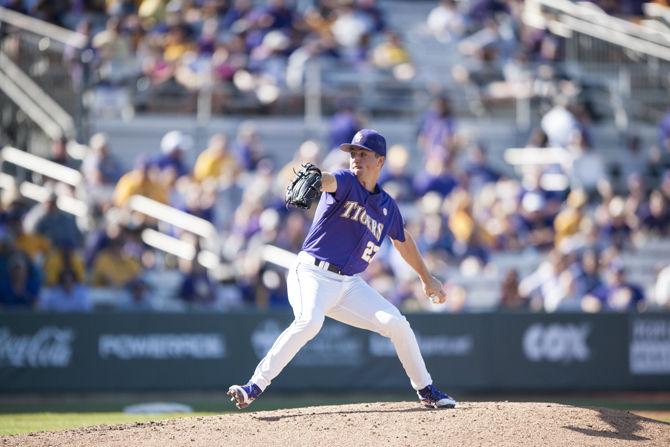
304	188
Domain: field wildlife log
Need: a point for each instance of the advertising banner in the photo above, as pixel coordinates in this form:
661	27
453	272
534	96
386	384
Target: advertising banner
198	351
560	351
649	350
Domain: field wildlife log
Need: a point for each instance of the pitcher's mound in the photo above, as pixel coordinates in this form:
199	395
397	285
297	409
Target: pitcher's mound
387	424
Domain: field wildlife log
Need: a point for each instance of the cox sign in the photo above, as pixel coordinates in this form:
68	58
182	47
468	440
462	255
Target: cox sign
557	342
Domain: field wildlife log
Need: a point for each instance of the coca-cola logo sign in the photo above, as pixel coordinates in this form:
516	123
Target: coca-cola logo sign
50	346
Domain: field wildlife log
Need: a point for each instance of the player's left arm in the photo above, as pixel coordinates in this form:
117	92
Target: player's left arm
410	253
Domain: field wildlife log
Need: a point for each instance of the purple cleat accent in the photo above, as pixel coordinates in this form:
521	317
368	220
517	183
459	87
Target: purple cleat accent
431	397
243	395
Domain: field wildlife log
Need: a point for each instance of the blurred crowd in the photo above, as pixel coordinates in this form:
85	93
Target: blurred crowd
140	50
160	55
575	213
463	211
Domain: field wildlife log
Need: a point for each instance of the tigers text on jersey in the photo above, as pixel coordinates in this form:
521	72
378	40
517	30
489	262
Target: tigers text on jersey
351	223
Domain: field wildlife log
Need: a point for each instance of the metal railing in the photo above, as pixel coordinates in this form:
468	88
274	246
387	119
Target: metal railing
658	12
631	59
565	17
35	58
57	37
46	168
26	103
208	257
40	99
206	250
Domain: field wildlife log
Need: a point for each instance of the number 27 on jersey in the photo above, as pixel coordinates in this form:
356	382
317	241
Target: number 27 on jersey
369	252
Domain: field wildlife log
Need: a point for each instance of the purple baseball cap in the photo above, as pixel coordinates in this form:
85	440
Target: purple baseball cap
368	139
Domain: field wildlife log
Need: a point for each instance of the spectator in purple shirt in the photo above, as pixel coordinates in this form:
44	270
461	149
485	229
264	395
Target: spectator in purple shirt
247	147
535	226
664	133
586	273
436	177
54	224
173	146
618	294
199	202
616	229
478	171
207	40
620	7
14	5
395	177
239	10
631	7
374	13
196	287
480	10
101	167
343	125
283	16
20	280
655	215
437	128
60	155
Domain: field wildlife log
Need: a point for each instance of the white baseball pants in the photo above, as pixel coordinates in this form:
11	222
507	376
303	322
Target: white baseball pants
314	294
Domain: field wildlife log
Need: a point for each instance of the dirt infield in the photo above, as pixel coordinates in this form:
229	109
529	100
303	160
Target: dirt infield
388	424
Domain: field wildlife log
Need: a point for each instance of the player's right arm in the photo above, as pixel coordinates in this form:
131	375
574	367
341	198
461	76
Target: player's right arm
328	182
432	286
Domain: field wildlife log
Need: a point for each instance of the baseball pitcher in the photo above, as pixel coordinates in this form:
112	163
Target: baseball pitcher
353	217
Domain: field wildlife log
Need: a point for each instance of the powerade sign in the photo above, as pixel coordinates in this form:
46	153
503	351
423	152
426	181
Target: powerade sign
161	346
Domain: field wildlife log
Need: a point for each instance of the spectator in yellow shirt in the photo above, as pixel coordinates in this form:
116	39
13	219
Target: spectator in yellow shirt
177	43
215	161
568	221
391	52
113	267
32	244
462	222
141	181
61	259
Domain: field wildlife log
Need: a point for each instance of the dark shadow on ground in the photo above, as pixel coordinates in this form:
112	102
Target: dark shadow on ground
623	423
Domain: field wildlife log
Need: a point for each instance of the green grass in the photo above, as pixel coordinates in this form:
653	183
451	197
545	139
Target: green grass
12	424
39	413
213	402
24	414
663	416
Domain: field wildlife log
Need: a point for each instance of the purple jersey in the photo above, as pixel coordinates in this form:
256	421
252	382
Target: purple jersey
351	223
